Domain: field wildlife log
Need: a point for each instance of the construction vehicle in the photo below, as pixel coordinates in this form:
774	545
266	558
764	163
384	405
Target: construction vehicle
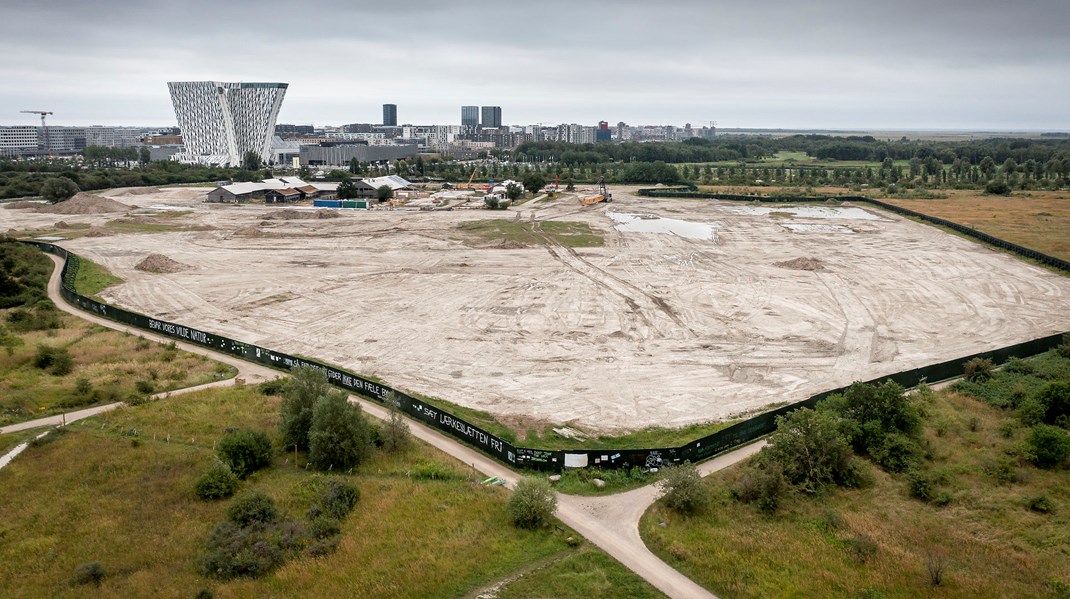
470	179
44	128
603	194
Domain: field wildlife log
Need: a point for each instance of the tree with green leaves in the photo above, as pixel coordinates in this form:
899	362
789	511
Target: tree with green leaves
534	181
354	166
251	161
532	504
513	191
340	436
144	156
347	189
302	389
58	189
809	448
384	193
682	489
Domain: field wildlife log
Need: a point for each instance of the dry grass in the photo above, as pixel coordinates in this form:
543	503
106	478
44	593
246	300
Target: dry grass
111	361
994	545
132	508
1039	220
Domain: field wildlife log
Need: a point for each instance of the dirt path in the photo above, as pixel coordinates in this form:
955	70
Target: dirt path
611	522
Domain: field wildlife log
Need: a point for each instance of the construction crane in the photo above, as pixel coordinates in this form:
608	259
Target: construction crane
44	128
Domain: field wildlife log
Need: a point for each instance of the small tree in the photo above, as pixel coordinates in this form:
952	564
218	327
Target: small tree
513	191
384	193
340	436
396	435
809	448
534	181
245	451
58	189
346	189
978	370
299	394
682	489
532	504
144	156
251	161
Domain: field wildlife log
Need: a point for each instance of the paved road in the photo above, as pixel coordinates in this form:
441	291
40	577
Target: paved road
610	522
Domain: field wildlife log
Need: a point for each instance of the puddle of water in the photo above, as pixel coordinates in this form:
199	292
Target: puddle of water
636	223
50	238
816	228
822	212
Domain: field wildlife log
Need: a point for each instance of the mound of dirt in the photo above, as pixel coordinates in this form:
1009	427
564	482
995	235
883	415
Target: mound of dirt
291	214
250	231
135	191
97	232
161	264
84	203
802	264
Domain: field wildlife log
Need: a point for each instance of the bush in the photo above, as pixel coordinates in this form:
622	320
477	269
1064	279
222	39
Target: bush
1031	411
978	370
245	451
682	489
762	486
1019	366
896	453
339	435
1048	446
336	499
42	317
532	504
252	508
57	189
92	573
323	527
234	551
273	387
57	360
1055	398
300	392
809	448
1041	504
218	482
862	547
433	471
922	485
145	387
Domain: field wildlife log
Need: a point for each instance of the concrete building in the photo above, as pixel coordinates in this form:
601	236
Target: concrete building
491	117
222	121
390	115
64	141
18	140
470	116
113	137
328	154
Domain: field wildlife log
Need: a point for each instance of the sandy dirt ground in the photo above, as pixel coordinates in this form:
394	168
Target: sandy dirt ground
716	310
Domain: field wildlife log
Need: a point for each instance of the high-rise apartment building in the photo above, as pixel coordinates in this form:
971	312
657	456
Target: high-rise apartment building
221	121
492	116
390	115
19	140
469	116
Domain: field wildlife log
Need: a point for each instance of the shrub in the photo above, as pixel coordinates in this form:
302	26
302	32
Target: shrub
936	564
92	573
57	360
809	448
1031	411
896	453
57	189
862	547
1055	398
870	413
145	387
1048	446
682	489
763	486
998	188
323	527
217	482
532	504
1041	504
83	387
339	434
233	551
922	485
978	370
245	451
272	387
336	499
1019	366
252	508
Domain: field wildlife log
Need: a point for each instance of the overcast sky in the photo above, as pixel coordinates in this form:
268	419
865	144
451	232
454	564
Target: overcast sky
843	64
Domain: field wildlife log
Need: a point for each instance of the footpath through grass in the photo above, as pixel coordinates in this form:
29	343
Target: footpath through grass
119	490
995	525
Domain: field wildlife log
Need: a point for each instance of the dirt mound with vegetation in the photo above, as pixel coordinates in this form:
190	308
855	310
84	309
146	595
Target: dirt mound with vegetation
84	203
250	231
802	264
97	232
160	264
22	204
291	214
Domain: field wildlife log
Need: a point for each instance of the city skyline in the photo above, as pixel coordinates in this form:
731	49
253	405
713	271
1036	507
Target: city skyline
905	66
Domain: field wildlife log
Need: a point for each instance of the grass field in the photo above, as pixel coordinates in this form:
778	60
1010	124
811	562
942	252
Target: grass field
114	366
572	234
1039	220
93	278
119	491
880	542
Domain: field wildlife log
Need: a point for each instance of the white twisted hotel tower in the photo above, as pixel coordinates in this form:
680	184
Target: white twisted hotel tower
221	121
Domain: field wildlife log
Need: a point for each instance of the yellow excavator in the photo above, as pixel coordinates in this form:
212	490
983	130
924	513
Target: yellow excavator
603	194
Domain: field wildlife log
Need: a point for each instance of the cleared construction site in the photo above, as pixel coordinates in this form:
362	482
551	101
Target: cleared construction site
609	317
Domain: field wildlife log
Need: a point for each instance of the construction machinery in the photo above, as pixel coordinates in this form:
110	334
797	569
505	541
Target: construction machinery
470	179
603	194
44	128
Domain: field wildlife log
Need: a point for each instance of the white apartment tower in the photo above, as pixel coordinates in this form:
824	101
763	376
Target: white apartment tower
221	121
